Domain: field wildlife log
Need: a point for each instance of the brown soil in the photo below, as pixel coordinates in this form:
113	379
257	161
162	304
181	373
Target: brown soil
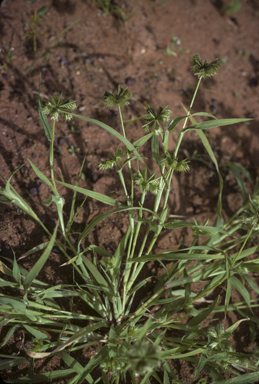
97	54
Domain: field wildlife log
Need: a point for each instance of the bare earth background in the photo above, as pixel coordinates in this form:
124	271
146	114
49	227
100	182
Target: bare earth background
97	54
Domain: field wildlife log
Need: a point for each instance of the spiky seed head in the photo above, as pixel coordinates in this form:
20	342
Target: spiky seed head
204	70
250	215
154	118
120	100
56	106
143	357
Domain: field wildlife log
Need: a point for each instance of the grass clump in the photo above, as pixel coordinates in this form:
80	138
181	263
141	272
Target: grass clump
133	337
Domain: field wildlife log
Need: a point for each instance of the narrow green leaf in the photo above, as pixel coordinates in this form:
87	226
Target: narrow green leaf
94	362
17	304
35	332
112	131
152	226
214	123
99	250
178	256
143	140
219	220
41	175
16	270
120	252
229	288
171	126
43	377
43	118
179	224
40	263
155	149
112	345
247	378
96	274
43	11
94	195
240	181
38	248
102	216
203	314
10	333
11	362
252	283
241	289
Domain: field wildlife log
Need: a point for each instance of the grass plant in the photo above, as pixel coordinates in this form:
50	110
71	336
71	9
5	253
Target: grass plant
9	54
109	8
134	334
32	28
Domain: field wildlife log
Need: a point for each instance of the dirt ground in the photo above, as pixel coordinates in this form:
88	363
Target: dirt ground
150	54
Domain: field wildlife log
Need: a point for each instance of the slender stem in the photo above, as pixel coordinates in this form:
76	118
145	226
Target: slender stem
122	124
51	155
243	245
158	198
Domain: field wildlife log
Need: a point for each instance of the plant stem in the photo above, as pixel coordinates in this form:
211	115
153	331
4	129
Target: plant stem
159	196
51	155
243	245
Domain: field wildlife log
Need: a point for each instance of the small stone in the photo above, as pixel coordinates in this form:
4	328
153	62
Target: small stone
130	80
253	82
24	171
63	61
61	141
92	176
33	191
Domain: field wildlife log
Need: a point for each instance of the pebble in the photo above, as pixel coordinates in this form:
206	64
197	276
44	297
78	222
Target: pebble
34	190
92	176
24	171
130	80
63	61
254	82
61	141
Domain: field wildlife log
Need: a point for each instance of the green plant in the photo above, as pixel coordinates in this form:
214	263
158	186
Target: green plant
9	53
109	8
56	41
135	337
171	50
233	7
32	26
73	150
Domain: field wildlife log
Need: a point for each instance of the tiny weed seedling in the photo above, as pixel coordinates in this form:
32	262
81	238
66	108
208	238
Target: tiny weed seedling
233	7
9	53
32	28
109	8
73	150
171	50
134	332
56	41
